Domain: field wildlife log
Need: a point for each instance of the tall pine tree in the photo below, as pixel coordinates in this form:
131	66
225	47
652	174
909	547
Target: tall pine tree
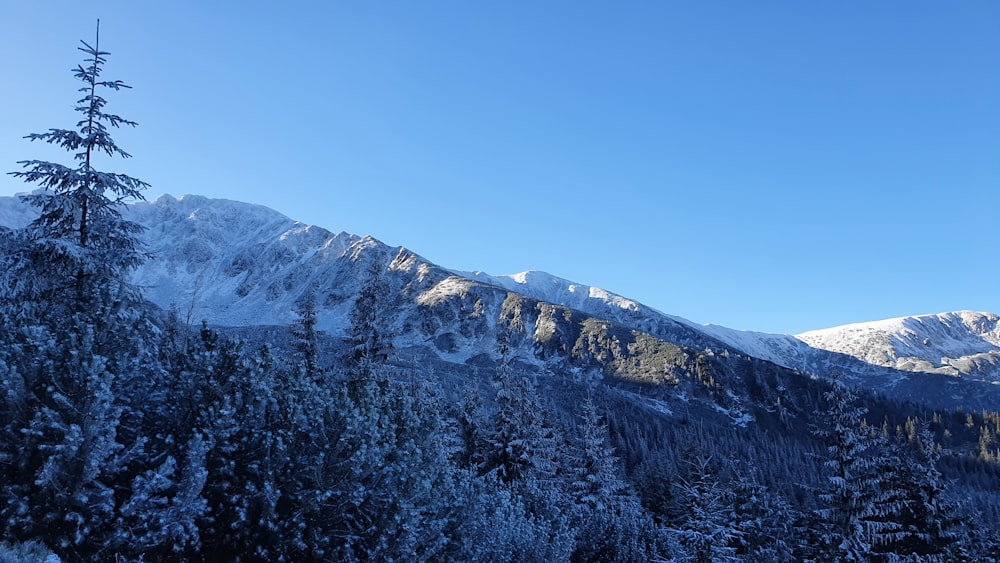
76	346
862	500
81	242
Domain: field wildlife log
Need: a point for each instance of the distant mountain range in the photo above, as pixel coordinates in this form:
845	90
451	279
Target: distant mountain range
242	265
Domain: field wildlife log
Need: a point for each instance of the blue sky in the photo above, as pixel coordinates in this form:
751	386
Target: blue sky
773	166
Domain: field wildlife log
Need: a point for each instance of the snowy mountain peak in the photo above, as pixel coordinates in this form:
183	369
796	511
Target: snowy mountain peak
235	263
553	289
952	343
981	323
239	264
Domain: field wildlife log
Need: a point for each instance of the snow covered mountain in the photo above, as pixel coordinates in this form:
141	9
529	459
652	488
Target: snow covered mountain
959	344
237	264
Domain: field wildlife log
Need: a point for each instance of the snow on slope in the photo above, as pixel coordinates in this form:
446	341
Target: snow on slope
234	263
14	214
207	254
241	264
964	343
552	289
781	349
904	357
599	303
959	343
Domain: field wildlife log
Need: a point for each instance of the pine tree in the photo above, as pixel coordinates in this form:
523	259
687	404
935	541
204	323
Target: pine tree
762	519
612	524
394	478
520	448
843	536
705	529
81	242
304	330
367	335
933	523
862	501
77	335
598	483
423	495
470	426
518	445
166	504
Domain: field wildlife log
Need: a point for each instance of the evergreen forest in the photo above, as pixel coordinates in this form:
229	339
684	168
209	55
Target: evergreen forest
129	434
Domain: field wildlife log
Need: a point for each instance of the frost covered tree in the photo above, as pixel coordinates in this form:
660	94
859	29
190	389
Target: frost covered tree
367	434
163	513
762	519
517	445
304	331
842	533
933	525
520	451
368	337
239	408
392	482
611	521
75	343
470	426
705	528
423	497
81	243
862	501
598	482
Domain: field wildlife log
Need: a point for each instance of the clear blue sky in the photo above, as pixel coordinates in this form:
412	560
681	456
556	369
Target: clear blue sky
774	166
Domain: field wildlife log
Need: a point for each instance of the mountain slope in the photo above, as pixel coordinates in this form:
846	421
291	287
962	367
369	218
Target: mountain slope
236	264
233	263
959	344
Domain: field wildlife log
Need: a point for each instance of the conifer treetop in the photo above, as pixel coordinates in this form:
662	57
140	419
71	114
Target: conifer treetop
80	230
92	135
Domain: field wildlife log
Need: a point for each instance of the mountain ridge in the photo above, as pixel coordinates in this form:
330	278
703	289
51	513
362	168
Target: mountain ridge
241	264
953	355
951	343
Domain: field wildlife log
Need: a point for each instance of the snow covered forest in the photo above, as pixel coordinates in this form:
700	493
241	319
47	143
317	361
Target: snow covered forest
128	434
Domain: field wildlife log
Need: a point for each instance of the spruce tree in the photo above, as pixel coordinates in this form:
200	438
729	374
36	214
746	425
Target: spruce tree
598	482
515	447
368	337
933	524
705	530
78	333
862	501
304	331
612	524
763	519
524	451
81	242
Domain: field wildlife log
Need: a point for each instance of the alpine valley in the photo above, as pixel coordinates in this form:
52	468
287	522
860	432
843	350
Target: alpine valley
718	433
